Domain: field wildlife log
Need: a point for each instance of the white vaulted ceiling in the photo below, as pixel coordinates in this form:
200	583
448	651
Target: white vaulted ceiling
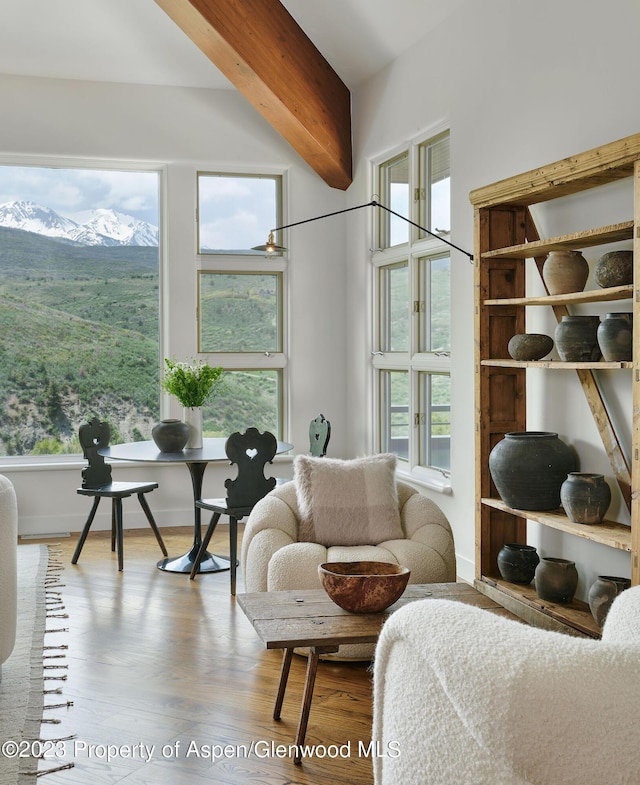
135	41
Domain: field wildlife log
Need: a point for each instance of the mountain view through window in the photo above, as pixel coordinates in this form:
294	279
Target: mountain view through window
79	278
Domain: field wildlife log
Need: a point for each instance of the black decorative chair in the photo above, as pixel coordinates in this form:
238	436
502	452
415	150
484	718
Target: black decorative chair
319	435
96	482
250	451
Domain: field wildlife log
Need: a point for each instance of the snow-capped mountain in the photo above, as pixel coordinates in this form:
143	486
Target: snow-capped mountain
98	227
125	229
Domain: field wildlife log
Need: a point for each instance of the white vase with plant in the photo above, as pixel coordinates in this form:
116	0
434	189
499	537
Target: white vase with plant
193	384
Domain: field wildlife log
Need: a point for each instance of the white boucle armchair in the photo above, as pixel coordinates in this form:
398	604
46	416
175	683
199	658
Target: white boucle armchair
464	696
8	568
272	559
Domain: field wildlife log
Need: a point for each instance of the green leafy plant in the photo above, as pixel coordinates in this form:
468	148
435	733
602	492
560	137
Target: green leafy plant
193	384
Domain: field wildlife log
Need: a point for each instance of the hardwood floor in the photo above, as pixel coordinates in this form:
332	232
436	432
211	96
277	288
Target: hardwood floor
156	659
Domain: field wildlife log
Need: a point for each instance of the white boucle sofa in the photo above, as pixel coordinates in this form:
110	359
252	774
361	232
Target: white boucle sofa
462	696
272	559
8	575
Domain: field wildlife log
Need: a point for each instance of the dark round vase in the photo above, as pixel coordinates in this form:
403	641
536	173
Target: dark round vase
602	593
585	497
614	269
170	435
556	580
576	338
615	337
517	563
529	467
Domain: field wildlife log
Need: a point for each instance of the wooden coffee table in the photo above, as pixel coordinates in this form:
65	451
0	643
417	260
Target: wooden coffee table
299	619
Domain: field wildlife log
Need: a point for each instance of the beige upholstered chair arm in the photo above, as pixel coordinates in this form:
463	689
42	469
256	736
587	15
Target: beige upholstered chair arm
271	525
622	625
8	567
468	696
424	522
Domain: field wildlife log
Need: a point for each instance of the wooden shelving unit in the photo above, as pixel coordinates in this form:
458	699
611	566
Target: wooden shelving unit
505	236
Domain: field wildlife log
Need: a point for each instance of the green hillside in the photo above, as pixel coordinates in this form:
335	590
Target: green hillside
75	319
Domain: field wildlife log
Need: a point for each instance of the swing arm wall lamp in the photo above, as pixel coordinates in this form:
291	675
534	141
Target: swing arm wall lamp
271	246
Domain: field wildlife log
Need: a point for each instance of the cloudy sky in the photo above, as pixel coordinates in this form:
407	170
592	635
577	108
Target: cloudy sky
74	191
236	212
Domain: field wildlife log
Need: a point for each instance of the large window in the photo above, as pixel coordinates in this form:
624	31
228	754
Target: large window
241	301
411	359
79	277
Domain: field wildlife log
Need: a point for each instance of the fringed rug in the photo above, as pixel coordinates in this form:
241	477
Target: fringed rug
32	678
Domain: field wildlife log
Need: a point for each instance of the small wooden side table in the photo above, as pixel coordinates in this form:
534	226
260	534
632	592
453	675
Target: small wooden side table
309	619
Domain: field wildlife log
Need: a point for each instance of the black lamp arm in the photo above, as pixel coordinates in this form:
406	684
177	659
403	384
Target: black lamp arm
374	203
422	229
328	215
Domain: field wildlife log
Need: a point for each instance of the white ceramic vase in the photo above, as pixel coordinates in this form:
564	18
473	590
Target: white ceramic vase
192	415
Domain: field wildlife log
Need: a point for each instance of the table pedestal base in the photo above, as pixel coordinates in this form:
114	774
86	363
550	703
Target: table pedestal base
184	564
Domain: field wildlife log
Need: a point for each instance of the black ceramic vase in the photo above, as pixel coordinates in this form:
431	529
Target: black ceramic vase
576	339
585	497
602	593
615	337
556	580
529	467
517	563
170	435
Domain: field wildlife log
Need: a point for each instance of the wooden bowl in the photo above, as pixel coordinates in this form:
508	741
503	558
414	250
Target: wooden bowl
363	586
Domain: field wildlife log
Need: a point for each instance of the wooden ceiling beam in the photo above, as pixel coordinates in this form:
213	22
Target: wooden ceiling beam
261	49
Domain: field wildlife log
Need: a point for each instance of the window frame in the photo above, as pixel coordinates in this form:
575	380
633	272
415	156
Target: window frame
257	263
160	168
277	177
417	252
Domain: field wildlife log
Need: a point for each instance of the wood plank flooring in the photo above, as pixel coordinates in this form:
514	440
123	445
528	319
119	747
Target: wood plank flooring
156	659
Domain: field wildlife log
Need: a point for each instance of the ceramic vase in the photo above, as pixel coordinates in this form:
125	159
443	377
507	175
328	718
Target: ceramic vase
602	593
192	416
576	339
565	271
615	337
517	562
529	467
614	269
556	579
170	435
585	497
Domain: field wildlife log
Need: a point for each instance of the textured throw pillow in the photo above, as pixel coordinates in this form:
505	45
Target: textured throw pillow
352	502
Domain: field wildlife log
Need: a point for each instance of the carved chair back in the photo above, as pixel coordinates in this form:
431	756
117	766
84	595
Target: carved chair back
319	435
251	451
95	435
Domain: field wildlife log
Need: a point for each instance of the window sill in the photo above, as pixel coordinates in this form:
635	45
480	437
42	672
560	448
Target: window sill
430	480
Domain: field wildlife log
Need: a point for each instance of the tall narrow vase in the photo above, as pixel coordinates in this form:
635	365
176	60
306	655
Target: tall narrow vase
192	415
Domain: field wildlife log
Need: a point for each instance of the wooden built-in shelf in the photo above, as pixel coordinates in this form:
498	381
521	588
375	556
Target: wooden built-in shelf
560	365
508	248
587	239
574	298
575	614
611	533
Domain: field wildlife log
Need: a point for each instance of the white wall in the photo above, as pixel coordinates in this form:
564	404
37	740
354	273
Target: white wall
521	84
187	130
